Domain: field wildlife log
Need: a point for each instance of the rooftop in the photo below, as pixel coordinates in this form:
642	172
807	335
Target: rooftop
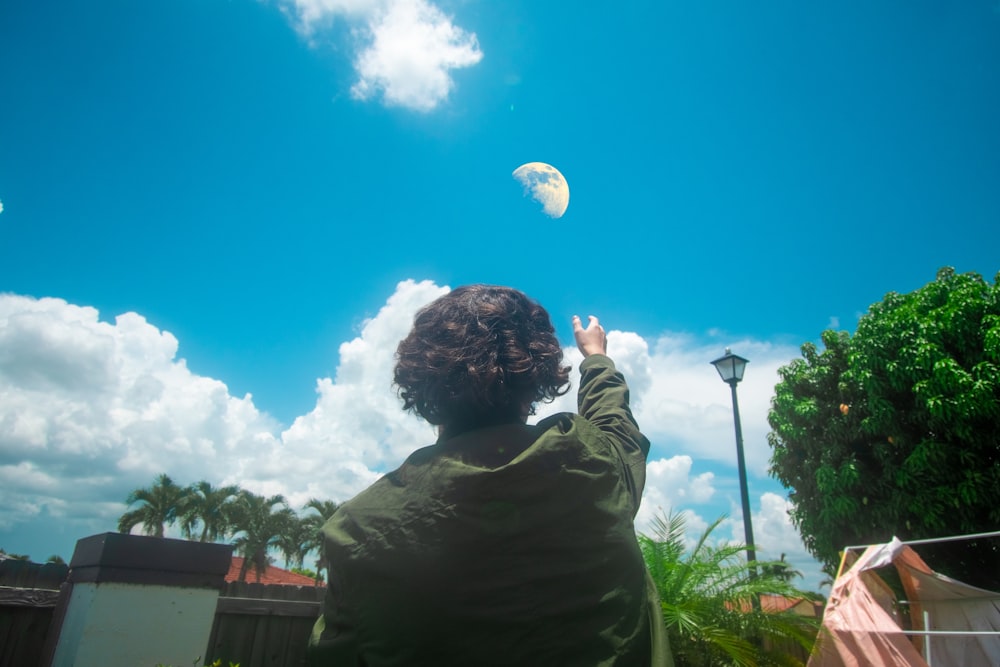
272	575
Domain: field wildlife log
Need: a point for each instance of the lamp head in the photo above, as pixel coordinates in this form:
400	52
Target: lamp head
730	367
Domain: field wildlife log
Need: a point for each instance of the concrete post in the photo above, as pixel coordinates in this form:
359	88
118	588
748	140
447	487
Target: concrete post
137	601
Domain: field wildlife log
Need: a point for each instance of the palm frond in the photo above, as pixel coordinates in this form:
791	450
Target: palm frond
707	597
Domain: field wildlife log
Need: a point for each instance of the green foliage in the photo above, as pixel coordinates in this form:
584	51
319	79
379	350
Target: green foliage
160	505
306	572
708	599
315	522
896	430
208	506
165	503
259	523
211	513
295	540
781	570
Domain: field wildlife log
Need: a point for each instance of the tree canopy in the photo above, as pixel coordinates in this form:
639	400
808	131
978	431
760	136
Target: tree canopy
260	523
159	506
207	506
895	431
256	524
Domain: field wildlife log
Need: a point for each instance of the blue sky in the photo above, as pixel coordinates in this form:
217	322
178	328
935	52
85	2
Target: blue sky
264	191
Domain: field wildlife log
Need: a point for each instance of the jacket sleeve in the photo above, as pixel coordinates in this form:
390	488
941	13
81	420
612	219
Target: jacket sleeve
603	400
334	641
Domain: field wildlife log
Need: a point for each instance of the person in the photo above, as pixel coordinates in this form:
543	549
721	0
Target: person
503	543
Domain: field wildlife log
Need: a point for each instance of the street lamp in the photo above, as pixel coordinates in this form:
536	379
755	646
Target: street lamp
731	367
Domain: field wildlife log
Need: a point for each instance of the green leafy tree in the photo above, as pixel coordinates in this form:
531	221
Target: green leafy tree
820	452
258	523
160	505
896	430
206	506
55	559
707	595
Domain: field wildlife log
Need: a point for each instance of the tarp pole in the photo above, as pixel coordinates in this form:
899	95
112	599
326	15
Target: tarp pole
932	540
927	639
840	568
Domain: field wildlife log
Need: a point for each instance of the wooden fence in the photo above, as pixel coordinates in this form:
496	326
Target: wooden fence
28	595
255	625
263	626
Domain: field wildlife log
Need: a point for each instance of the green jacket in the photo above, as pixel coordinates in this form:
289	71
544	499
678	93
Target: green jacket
505	545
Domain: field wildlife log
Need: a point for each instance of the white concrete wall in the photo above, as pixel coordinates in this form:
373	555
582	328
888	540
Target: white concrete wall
131	625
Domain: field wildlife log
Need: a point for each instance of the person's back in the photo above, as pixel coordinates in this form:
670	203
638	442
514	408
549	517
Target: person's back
503	543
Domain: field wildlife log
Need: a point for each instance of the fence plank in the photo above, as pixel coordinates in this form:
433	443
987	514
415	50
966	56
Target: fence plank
27	597
260	625
254	607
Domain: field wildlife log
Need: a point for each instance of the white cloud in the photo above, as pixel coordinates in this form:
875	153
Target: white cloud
670	486
357	428
773	525
688	408
315	14
773	530
408	49
681	403
90	410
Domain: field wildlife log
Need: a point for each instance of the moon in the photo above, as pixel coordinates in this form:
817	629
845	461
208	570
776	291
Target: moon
546	186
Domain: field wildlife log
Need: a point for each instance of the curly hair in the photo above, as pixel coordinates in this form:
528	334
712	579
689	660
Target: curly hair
480	354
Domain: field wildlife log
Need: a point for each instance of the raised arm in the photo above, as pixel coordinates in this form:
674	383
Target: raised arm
603	400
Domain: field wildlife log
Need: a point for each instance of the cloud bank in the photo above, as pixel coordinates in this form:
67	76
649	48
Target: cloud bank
90	410
406	49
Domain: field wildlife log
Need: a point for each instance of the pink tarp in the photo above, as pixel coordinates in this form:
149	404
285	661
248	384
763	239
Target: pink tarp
862	626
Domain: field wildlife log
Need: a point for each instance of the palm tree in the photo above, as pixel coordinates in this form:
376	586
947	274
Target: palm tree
258	523
325	509
296	540
780	569
160	506
207	505
707	597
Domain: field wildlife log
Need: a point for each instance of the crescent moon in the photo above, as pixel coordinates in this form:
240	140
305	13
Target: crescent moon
545	185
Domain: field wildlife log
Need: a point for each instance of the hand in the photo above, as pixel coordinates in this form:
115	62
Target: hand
591	340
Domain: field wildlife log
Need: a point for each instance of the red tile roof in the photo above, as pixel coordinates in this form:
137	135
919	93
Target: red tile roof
775	604
272	575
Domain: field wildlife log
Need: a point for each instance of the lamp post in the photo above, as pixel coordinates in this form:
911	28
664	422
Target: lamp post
731	367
